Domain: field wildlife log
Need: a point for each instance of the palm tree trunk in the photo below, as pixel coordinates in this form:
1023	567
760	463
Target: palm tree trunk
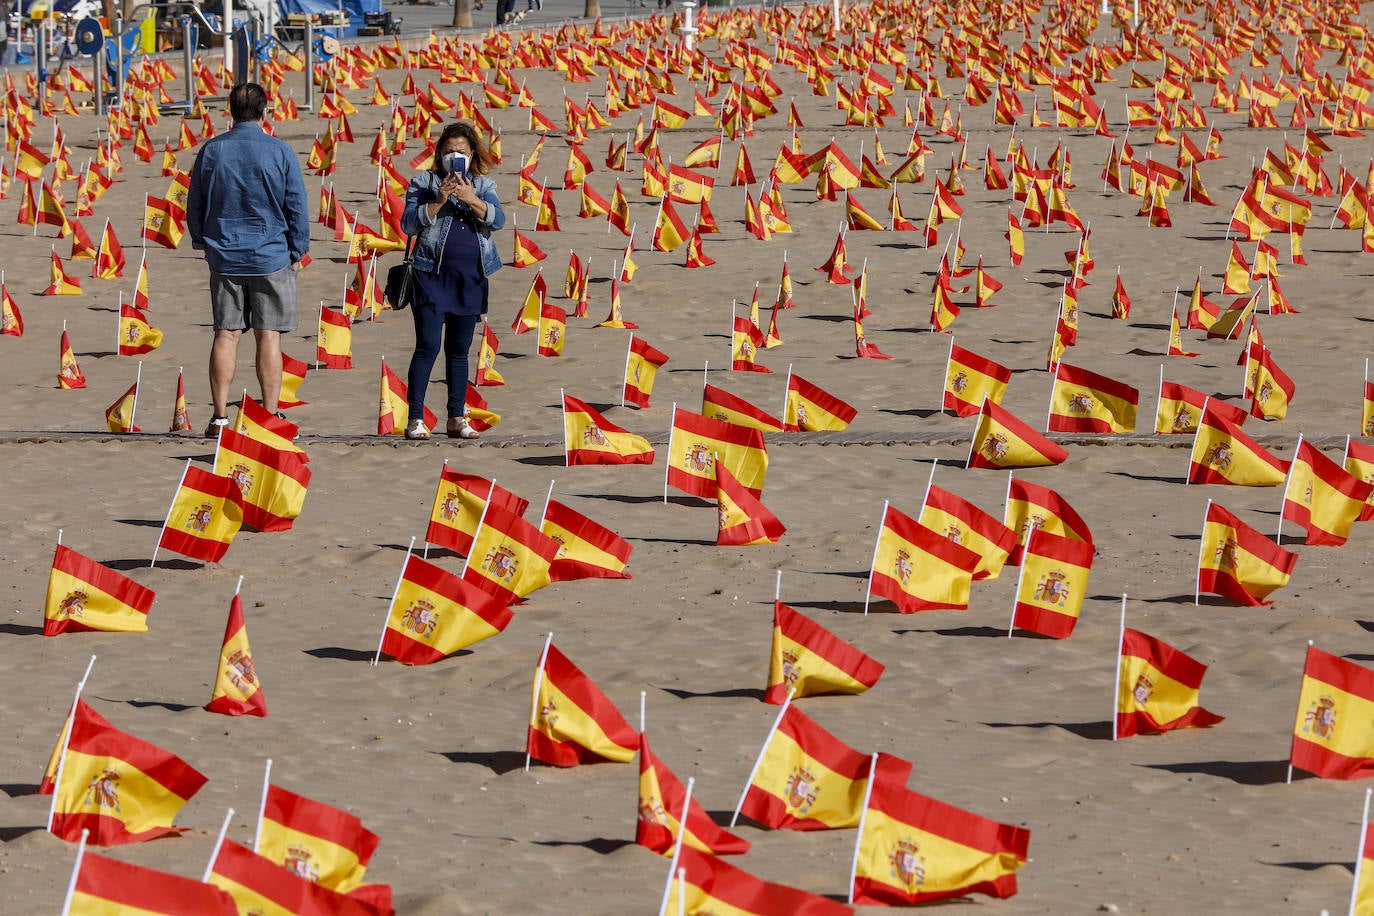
462	14
592	9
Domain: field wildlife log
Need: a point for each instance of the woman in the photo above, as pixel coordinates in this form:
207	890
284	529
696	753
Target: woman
452	209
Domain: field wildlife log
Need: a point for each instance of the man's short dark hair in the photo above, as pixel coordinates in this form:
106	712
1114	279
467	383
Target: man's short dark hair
247	102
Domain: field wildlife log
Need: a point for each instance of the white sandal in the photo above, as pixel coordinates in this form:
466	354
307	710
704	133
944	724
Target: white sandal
417	430
459	428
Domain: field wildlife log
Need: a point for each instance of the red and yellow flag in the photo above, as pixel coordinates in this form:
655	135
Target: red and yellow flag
571	720
1225	455
393	412
970	378
527	319
59	283
670	232
1053	584
641	366
273	482
1332	735
292	375
1323	497
119	416
238	692
592	439
1031	507
811	408
325	844
697	442
109	260
1359	463
708	884
746	339
919	569
807	779
487	374
658	819
1272	388
586	549
742	519
85	595
963	523
1238	562
261	425
120	788
914	849
1003	441
334	340
510	557
809	660
181	419
553	330
108	886
206	514
1157	688
458	504
719	404
435	613
11	321
259	885
1086	402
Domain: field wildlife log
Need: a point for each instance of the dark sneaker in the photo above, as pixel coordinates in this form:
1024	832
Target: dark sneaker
214	426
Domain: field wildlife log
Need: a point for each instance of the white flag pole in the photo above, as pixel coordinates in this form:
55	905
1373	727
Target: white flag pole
1294	740
1020	577
1287	485
214	851
133	409
76	872
1359	856
538	683
642	695
547	498
786	397
629	351
1192	453
1159	401
868	592
392	604
930	482
677	849
1116	684
567	443
437	491
759	759
1197	581
777	587
863	815
168	519
262	806
949	360
668	465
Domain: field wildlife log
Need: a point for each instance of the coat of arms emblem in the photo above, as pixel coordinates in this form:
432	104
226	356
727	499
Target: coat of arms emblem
73	604
1144	686
1081	404
103	790
1218	456
199	519
239	667
501	563
996	447
420	618
907	864
242	477
959	384
697	458
450	506
1053	588
592	435
299	861
1321	717
902	567
801	790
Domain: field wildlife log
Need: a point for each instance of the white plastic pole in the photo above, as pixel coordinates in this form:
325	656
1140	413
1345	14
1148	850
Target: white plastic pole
538	683
262	806
863	815
1306	659
1359	855
1020	577
1197	581
392	603
76	872
168	519
214	851
759	759
1116	683
868	592
677	847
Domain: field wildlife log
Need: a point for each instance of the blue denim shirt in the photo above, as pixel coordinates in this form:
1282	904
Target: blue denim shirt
247	208
432	235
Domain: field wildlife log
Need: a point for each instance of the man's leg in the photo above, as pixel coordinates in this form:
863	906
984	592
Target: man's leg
223	356
269	368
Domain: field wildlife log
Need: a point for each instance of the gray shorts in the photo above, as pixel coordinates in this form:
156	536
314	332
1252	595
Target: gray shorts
266	303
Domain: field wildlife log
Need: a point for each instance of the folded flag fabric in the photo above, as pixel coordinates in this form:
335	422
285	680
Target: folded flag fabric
206	514
810	408
1031	507
590	438
1222	454
1323	497
318	842
809	660
657	824
719	404
1157	688
120	788
435	613
1237	562
1086	402
510	558
586	549
1332	735
136	335
572	721
106	885
969	379
334	340
641	366
964	523
919	569
257	422
1052	585
458	504
697	442
259	885
85	595
273	482
708	884
1359	463
238	691
743	519
1003	441
119	416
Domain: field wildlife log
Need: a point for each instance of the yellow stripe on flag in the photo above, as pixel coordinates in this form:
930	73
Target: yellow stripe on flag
806	787
247	899
991	557
805	671
96	784
1334	719
312	857
931	863
558	717
87	904
70	598
572	547
1165	698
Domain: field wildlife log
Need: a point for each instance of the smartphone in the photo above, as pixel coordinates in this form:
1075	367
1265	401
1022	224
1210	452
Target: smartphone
456	164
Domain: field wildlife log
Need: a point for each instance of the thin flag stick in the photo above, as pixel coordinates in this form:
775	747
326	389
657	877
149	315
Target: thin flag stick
642	695
534	699
786	395
1116	684
425	554
567	443
1359	856
262	806
629	351
1293	743
1159	401
759	759
1202	415
949	360
668	465
930	482
214	851
1020	577
168	520
547	497
868	593
777	587
863	814
392	604
133	409
76	872
677	848
731	336
1287	484
1197	581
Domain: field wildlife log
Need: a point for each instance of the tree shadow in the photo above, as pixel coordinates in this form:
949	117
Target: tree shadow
139	522
601	844
20	629
140	563
752	693
499	762
1241	772
1094	731
544	461
341	653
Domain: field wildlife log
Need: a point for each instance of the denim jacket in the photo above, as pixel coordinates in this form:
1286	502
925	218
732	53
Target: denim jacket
433	234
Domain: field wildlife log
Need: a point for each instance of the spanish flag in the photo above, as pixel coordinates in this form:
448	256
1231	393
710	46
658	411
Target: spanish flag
1272	389
1002	441
1237	562
259	885
458	505
119	416
107	886
553	330
919	569
914	849
487	374
527	319
970	378
1225	455
1332	735
642	363
1085	402
120	788
325	844
1157	688
85	595
1366	408
697	442
257	423
206	513
11	321
510	557
616	319
59	283
670	232
161	223
1359	463
810	408
658	819
526	252
1031	507
589	438
719	404
705	883
1052	585
571	720
586	549
238	692
435	613
1323	497
292	375
1180	409
807	779
746	339
273	482
965	524
743	519
687	186
69	374
808	660
393	412
334	342
109	260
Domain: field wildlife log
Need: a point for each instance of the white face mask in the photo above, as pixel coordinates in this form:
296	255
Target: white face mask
455	164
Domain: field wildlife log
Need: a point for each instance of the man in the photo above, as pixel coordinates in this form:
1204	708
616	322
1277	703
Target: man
248	212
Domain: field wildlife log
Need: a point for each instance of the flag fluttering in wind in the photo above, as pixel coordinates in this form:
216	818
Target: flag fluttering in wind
586	549
659	815
641	366
259	885
918	569
811	408
1031	507
1052	585
1086	402
708	884
238	691
1238	562
510	558
743	519
104	885
1157	688
86	595
206	514
589	438
273	482
697	442
435	613
571	720
314	840
1332	735
458	505
809	660
970	378
1001	440
1223	454
1323	497
964	523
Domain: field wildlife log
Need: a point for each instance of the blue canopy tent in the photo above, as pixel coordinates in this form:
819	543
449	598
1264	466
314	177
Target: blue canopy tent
353	8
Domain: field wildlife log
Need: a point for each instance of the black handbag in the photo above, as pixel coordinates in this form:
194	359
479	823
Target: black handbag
400	281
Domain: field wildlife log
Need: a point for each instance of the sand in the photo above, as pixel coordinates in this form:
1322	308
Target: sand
431	758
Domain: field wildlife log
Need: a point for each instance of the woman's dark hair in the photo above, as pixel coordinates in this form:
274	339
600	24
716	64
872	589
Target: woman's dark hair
247	102
481	156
